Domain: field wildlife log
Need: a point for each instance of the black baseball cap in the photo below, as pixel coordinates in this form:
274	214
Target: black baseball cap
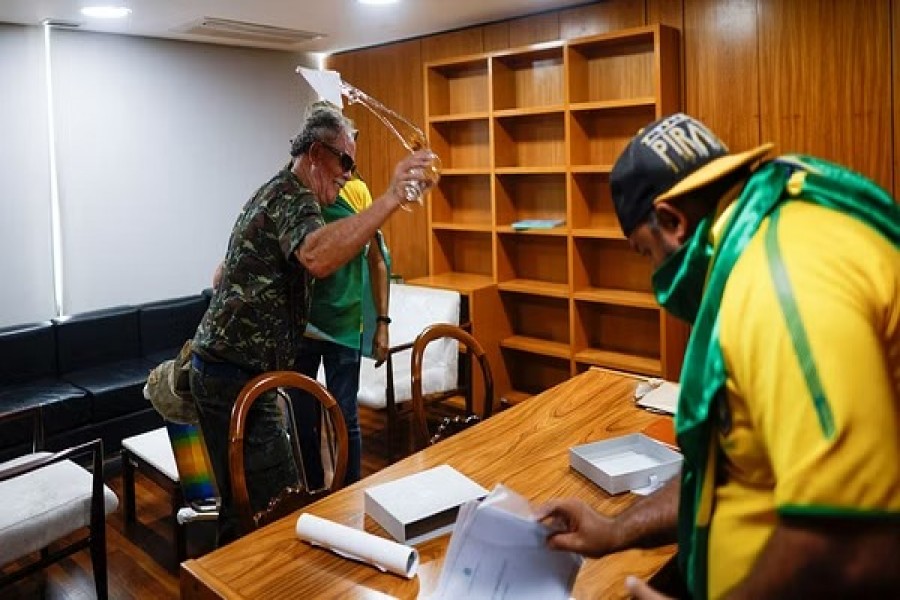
666	159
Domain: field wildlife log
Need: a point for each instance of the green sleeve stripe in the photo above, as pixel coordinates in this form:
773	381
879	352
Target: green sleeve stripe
795	326
793	510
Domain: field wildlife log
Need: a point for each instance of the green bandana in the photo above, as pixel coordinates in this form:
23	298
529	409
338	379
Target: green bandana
678	282
703	376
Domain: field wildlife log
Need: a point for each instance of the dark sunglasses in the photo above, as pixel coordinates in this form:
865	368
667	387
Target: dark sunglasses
347	163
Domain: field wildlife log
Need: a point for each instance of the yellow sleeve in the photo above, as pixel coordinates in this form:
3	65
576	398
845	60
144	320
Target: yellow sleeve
357	194
842	454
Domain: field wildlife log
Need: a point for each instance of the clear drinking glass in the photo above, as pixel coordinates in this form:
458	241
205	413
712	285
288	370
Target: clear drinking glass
411	137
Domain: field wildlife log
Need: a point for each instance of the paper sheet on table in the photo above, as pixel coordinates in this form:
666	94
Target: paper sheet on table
499	551
657	395
327	84
356	544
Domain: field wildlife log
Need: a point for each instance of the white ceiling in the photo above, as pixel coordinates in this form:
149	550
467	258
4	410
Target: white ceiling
345	23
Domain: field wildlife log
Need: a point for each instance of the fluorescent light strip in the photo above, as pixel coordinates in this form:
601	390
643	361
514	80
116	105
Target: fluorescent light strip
55	225
106	12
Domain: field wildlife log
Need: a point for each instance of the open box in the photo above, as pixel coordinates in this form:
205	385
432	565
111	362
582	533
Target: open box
625	463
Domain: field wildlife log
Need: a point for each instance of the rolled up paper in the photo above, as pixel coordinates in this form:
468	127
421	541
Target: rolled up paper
384	554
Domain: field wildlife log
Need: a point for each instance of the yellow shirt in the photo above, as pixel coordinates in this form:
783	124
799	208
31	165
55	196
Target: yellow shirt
357	194
775	458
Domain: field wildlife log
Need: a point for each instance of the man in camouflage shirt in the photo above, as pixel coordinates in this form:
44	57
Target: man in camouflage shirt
259	310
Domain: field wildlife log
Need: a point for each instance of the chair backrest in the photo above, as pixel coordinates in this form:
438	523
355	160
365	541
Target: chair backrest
291	498
95	338
473	352
412	309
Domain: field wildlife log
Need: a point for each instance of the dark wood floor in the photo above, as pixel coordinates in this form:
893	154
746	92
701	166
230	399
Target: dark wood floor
141	558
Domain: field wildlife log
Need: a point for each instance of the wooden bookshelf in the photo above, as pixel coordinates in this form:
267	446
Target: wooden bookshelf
532	133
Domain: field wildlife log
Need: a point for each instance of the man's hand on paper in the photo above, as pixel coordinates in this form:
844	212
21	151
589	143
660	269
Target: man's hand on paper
640	590
576	527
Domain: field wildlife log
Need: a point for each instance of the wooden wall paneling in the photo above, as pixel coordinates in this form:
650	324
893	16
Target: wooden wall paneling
345	64
453	43
601	17
534	29
391	74
402	90
721	78
496	36
824	82
895	45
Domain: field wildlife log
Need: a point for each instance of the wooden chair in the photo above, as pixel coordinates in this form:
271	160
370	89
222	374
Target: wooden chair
46	497
386	389
464	389
292	497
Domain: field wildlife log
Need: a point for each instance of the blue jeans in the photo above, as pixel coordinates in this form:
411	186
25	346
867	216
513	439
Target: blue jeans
268	460
342	377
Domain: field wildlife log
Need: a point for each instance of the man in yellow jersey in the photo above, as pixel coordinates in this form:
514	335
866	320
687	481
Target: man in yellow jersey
789	413
333	336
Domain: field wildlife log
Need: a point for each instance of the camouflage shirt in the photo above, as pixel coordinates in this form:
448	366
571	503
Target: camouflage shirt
258	313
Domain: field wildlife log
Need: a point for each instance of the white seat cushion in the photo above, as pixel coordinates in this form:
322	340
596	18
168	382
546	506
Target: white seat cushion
44	505
412	309
154	448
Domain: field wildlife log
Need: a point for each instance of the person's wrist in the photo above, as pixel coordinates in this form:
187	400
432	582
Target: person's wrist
397	194
383	320
619	536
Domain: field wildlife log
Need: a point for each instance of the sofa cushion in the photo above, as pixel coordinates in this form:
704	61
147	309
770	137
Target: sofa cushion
64	406
96	338
166	325
27	352
116	388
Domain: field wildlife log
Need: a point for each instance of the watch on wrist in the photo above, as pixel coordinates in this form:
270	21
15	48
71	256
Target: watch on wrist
383	319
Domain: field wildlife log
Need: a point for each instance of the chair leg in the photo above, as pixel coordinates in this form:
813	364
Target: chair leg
179	529
98	561
180	543
391	433
128	486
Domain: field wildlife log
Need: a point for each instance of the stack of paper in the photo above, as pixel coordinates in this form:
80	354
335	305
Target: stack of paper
498	550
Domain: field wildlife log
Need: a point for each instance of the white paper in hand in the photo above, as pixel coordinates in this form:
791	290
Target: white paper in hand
498	550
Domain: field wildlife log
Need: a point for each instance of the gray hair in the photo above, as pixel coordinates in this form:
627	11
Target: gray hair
323	122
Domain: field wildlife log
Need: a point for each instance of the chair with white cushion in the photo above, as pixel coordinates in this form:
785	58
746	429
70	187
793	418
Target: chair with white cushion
174	458
412	308
47	496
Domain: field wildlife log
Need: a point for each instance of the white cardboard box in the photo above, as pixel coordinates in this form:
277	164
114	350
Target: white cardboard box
625	463
423	505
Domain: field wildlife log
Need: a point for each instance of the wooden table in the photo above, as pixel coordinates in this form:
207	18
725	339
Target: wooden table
525	448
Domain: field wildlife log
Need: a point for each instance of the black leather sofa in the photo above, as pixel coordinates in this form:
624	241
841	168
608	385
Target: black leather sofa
167	324
87	371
